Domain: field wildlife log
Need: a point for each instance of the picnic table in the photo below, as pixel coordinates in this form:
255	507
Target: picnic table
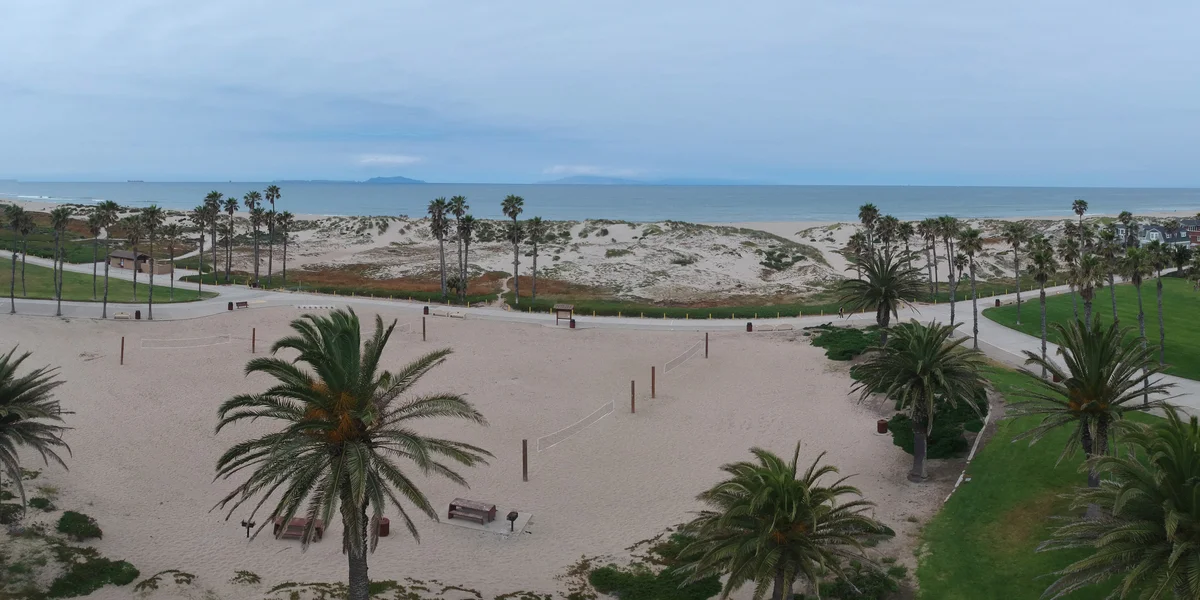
480	512
295	528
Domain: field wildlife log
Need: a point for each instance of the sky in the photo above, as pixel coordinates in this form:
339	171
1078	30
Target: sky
1069	92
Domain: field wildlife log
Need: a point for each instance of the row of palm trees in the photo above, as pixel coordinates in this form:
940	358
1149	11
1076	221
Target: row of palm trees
216	215
532	231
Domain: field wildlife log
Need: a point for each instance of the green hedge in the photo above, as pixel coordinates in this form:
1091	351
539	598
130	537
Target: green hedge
843	343
613	308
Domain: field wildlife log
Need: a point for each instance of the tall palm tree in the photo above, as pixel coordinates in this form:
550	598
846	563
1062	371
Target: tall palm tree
251	200
30	417
27	227
133	228
888	281
1147	538
199	218
342	425
856	249
14	214
152	219
60	217
1016	234
948	228
770	524
230	206
929	229
458	207
535	229
1080	206
439	226
1136	266
466	229
285	220
212	210
1172	227
1043	264
922	369
1089	275
172	232
272	194
970	241
1181	256
95	225
513	206
887	229
1069	250
1093	392
904	232
1160	258
1131	230
109	210
1110	251
868	214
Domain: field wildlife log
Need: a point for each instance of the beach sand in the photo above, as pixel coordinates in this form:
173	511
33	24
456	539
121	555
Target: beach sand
144	449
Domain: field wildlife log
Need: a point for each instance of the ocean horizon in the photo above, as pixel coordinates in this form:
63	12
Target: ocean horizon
640	203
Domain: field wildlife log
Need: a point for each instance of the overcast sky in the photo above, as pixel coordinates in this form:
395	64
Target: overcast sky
916	92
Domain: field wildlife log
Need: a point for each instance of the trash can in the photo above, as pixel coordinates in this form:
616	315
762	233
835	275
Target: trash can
749	326
881	426
137	315
385	527
997	303
572	323
426	310
230	306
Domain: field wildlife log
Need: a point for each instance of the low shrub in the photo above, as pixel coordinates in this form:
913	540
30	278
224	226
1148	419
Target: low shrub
43	504
642	583
946	440
615	252
79	526
9	513
843	343
245	577
95	572
863	582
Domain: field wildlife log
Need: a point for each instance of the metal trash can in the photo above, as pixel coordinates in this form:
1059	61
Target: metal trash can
881	426
997	303
385	527
230	306
426	310
572	323
137	315
749	326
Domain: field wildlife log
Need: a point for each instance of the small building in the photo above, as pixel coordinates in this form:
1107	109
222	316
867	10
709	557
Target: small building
1150	232
126	259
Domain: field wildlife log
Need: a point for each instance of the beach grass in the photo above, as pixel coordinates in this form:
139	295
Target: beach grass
1180	305
77	287
348	282
982	545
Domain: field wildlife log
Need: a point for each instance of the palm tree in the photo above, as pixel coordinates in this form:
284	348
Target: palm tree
856	249
199	218
60	217
172	232
1093	392
513	206
212	210
1069	251
1131	234
770	524
1160	258
95	225
970	241
535	228
1043	264
1109	249
1181	256
439	227
285	220
230	206
133	228
1089	275
272	194
887	282
466	229
1015	234
929	229
922	369
887	229
14	214
1080	207
1172	227
868	214
27	227
1147	537
948	228
1136	266
30	417
458	207
342	428
108	209
252	200
904	232
152	219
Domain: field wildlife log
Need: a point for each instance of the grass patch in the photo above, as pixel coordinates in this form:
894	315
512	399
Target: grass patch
843	343
77	287
79	526
1180	305
981	545
615	252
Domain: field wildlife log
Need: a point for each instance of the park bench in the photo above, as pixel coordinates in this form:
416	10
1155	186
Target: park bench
295	528
242	304
122	316
480	512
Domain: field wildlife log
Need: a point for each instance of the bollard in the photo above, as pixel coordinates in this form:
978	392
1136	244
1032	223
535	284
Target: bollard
632	398
651	381
705	344
422	329
253	335
524	460
122	349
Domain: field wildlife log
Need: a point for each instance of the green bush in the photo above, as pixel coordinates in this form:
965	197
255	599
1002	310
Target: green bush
615	252
9	513
843	343
95	572
863	583
43	504
946	439
642	583
79	526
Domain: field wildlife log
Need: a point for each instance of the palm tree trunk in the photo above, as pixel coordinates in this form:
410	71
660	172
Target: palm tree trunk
135	271
12	284
200	277
1017	274
937	285
1043	302
920	448
94	255
929	271
516	263
1162	331
359	582
462	283
285	257
270	254
1074	302
466	260
150	304
883	319
782	588
1142	333
1087	314
442	258
57	286
533	292
214	249
172	253
228	251
1112	293
24	255
107	259
974	306
255	256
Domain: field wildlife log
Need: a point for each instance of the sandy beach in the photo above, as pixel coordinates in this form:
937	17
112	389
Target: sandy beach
144	448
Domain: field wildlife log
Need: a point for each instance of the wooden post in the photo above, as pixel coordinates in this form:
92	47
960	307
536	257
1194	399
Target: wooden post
122	349
705	344
632	398
524	460
652	381
422	329
253	336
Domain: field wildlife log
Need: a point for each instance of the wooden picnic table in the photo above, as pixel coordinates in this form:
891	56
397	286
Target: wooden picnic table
480	512
295	528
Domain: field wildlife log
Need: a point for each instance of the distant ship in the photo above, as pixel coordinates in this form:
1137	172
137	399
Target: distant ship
134	181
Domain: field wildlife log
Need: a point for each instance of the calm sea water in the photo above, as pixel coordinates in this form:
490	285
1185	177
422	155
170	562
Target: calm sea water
702	204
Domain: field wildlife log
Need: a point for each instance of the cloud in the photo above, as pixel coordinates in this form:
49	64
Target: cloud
388	160
567	170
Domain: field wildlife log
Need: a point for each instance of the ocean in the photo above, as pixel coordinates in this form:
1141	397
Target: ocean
698	204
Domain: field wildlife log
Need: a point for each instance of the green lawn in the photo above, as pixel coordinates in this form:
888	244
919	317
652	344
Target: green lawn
982	544
78	286
1180	307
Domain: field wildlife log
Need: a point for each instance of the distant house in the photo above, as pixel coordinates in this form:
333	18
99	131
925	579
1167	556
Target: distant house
125	259
1150	232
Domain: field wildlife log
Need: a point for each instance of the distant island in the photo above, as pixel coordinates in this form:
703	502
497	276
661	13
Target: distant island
395	179
598	180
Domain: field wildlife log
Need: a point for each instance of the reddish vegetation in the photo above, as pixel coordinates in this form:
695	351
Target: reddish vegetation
358	276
